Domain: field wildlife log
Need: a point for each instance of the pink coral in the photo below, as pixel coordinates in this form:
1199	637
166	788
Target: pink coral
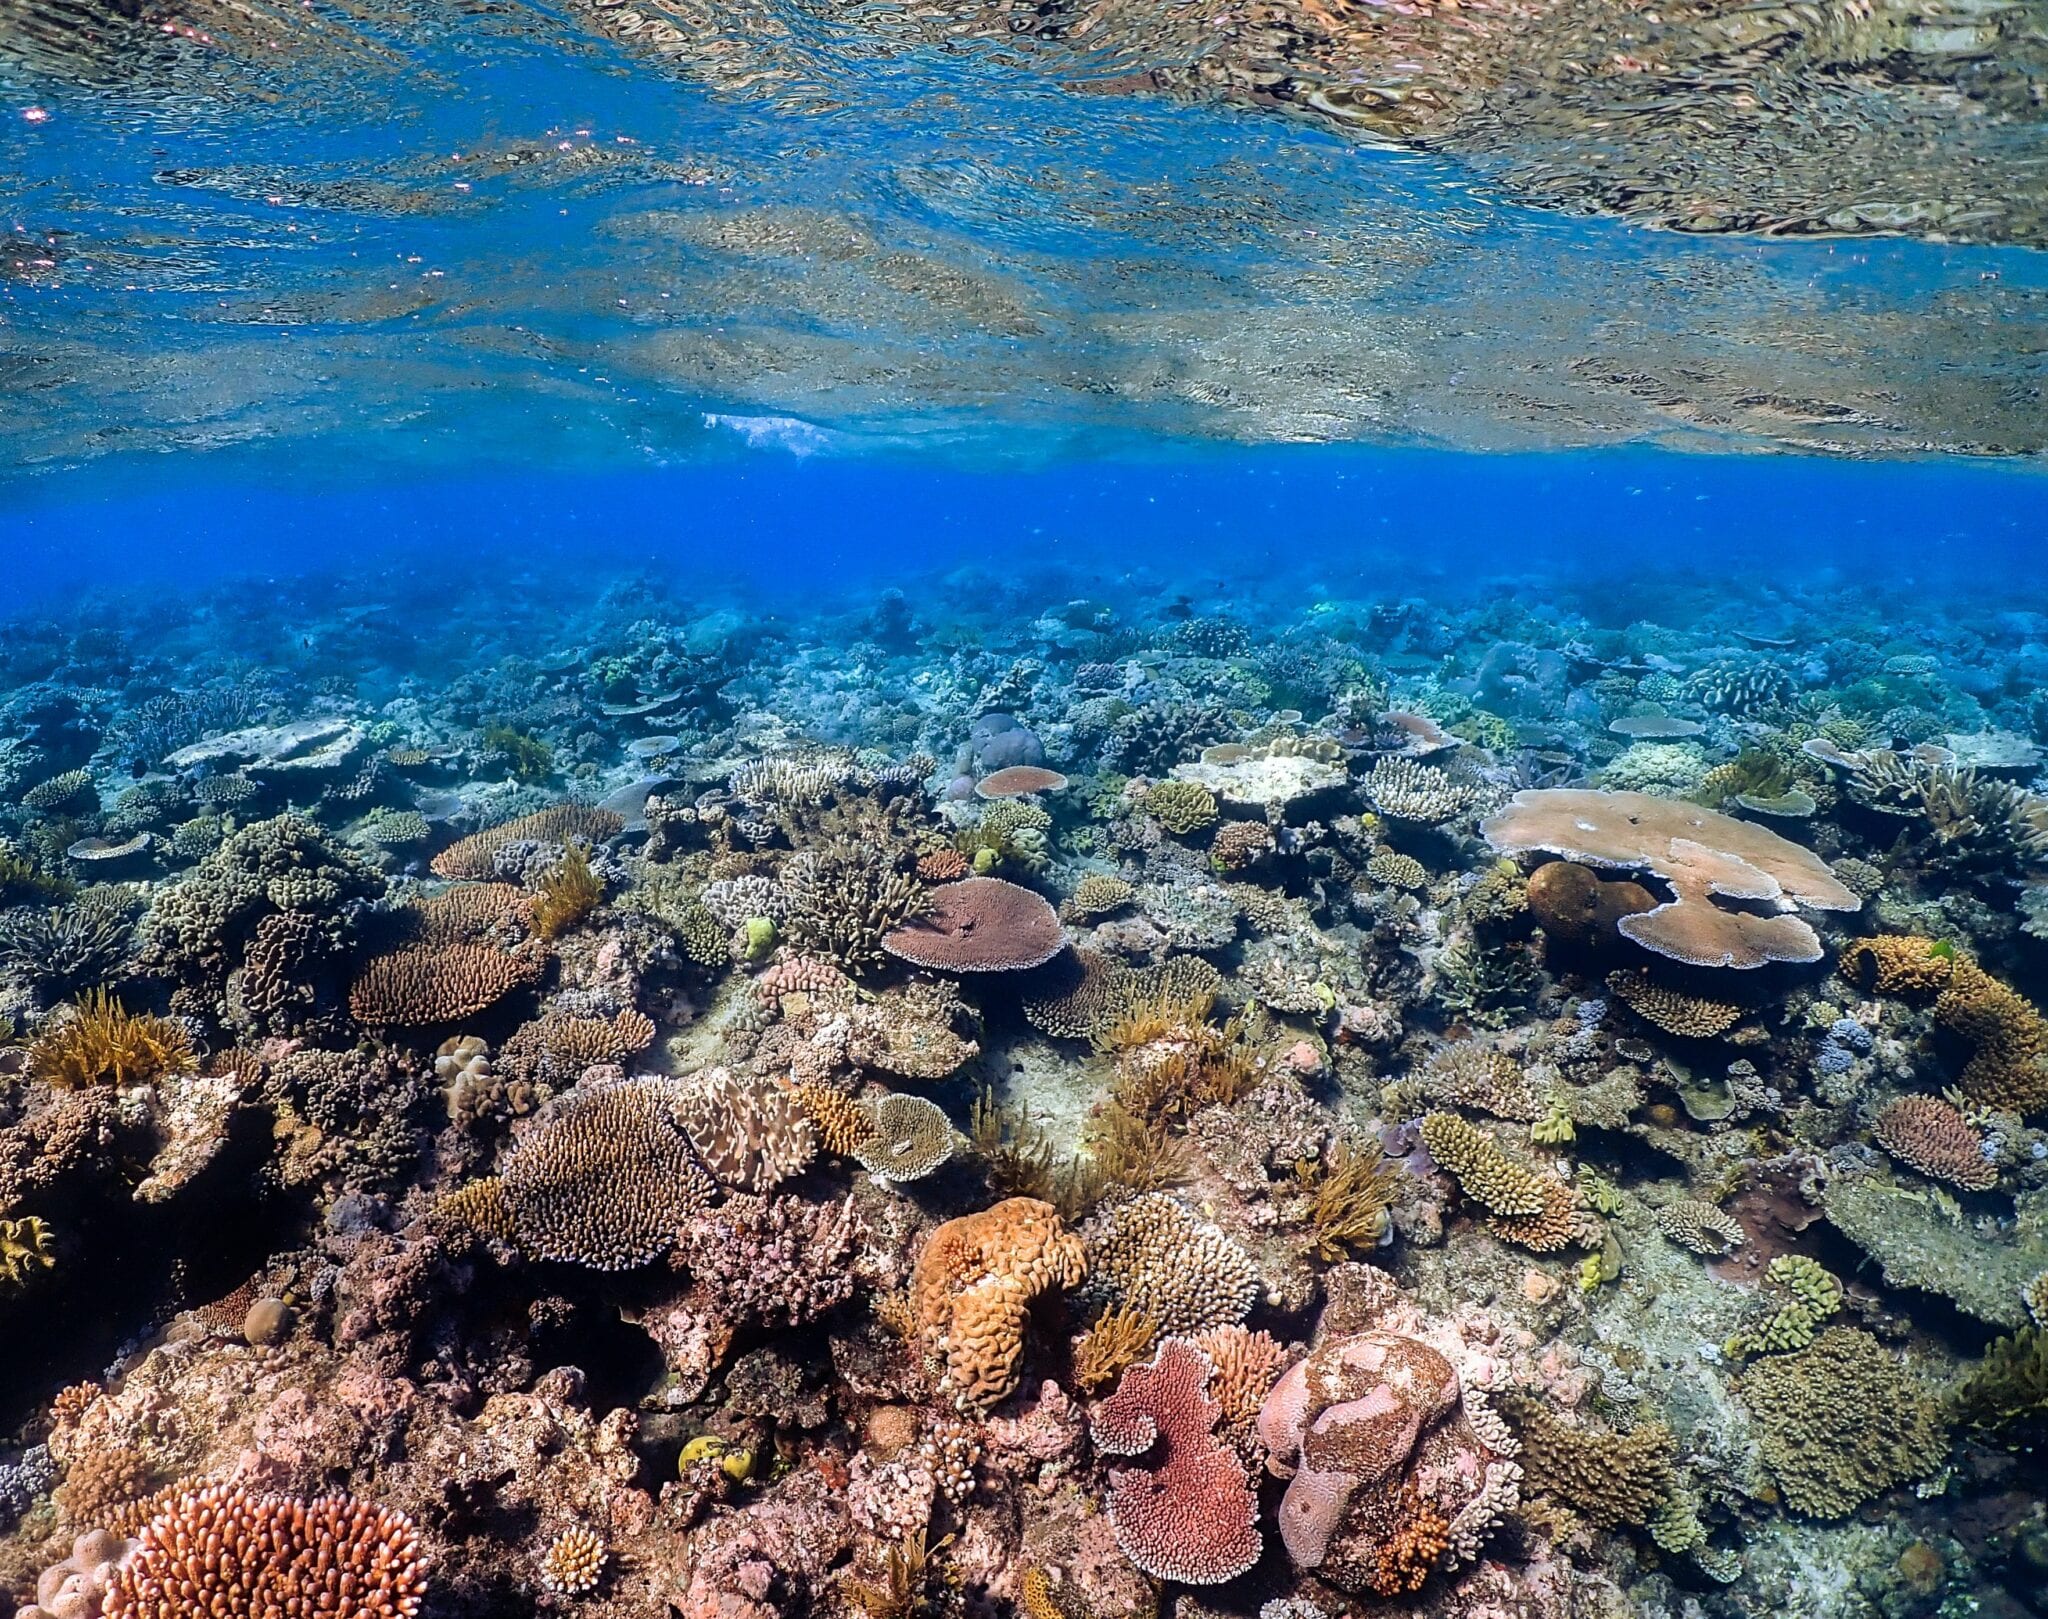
1927	1134
1192	1517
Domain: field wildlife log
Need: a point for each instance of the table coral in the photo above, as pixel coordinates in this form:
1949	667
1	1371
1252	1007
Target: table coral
1191	1516
475	857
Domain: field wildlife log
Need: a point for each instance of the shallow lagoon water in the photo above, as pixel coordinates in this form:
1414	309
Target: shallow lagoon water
1091	810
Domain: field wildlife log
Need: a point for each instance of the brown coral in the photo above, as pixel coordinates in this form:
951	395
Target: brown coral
1239	844
225	1553
843	1126
574	1562
607	1182
100	1042
943	866
419	986
1925	1133
555	1048
474	857
1694	1017
749	1133
1700	1226
974	1284
1153	1254
103	1485
2009	1067
980	925
1700	854
472	913
1608	1479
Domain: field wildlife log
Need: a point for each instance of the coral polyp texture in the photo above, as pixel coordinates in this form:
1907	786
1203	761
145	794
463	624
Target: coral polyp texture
1187	1513
997	1100
224	1552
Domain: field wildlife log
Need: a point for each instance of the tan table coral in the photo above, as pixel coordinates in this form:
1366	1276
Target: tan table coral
1700	854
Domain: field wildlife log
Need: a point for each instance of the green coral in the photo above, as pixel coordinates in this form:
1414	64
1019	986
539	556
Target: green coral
1181	807
1488	986
24	1250
1840	1422
759	934
1010	832
2006	1397
22	882
1555	1128
529	758
1814	1296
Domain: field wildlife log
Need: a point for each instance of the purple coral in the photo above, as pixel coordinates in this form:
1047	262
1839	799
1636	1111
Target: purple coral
773	1259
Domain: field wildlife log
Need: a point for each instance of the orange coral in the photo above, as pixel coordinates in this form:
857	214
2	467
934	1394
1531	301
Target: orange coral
2009	1067
975	1281
1412	1549
1925	1133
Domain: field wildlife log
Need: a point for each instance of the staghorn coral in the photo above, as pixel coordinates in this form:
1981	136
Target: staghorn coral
226	1552
1150	1253
1694	1017
1608	1479
474	858
844	900
2009	1066
574	1563
909	1138
1839	1422
973	1286
1927	1134
607	1181
1181	807
100	1042
420	986
1700	854
1190	1516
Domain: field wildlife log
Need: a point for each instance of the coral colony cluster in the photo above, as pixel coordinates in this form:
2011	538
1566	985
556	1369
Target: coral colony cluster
1059	1108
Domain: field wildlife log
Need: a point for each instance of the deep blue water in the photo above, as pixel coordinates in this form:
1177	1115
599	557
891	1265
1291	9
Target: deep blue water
782	527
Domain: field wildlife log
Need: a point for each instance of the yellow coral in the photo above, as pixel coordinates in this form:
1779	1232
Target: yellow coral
567	894
102	1043
1483	1172
24	1249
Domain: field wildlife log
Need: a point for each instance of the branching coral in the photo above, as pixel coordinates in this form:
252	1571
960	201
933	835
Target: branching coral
1181	807
1675	1011
845	899
420	986
224	1551
1121	1336
2009	1067
1153	1254
567	894
1349	1198
73	947
99	1042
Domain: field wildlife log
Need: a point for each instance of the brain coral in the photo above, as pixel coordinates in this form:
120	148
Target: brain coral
1191	1516
474	857
1700	854
1925	1133
1150	1254
974	1284
1839	1422
607	1181
1383	1459
225	1553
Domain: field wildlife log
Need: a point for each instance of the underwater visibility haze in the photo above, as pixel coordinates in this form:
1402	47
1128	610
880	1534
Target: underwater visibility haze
962	809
